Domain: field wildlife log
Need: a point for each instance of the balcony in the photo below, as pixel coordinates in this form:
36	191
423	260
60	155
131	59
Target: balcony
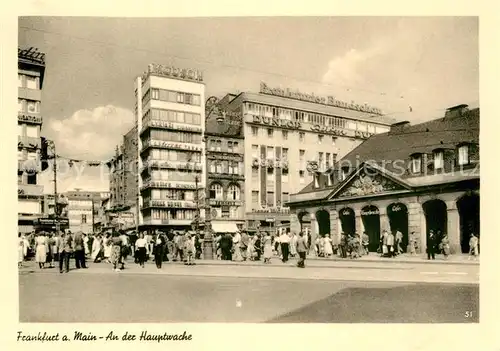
168	185
29	190
28	142
171	145
168	204
29	118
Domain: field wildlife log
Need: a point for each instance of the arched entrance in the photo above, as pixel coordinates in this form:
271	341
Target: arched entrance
323	218
398	221
436	218
468	209
347	220
305	222
370	215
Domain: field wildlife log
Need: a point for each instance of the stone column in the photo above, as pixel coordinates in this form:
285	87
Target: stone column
294	223
359	222
333	226
453	227
384	220
415	224
314	228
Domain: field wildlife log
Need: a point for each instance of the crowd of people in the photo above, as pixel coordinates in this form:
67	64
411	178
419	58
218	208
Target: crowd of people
114	247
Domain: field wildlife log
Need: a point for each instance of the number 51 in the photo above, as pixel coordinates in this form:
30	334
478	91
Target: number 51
468	314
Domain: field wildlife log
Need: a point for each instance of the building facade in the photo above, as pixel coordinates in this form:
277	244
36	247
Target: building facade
170	113
412	179
283	132
83	208
31	71
225	191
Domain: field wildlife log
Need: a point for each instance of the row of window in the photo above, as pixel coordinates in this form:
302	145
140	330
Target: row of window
226	212
179	214
171	194
272	199
28	106
172	175
174	155
230	146
28	81
26	155
180	137
217	192
270	176
172	116
171	96
27	130
226	167
29	179
270	132
438	159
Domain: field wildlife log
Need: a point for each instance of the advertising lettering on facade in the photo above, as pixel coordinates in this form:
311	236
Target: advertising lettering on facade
225	202
370	212
170	145
175	72
169	125
171	204
160	184
329	100
29	118
282	210
328	130
277	122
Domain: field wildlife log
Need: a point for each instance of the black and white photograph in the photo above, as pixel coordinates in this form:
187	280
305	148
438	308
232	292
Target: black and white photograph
268	169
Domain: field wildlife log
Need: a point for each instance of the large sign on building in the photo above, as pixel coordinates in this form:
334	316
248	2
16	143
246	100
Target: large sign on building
328	100
175	72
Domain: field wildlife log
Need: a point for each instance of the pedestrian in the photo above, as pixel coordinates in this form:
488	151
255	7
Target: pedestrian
431	245
141	249
125	248
20	251
65	251
301	250
384	238
197	246
366	243
268	247
328	246
398	241
50	255
244	243
96	248
284	240
237	247
293	245
180	246
86	247
258	246
473	246
108	247
390	245
116	250
159	249
79	251
41	250
343	245
445	246
189	249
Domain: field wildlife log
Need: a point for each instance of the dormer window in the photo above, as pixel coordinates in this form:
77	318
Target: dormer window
416	163
463	154
438	159
316	180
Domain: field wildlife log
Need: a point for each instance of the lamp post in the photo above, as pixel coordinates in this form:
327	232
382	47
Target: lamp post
52	145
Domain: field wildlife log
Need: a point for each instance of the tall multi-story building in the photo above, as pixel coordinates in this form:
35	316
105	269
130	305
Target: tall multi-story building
285	132
225	191
170	113
83	208
31	71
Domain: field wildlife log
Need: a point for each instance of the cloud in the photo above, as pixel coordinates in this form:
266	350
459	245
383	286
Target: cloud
91	134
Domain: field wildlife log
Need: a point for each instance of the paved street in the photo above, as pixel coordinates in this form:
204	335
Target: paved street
214	292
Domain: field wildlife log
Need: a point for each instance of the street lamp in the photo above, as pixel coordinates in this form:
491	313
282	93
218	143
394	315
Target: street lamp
50	144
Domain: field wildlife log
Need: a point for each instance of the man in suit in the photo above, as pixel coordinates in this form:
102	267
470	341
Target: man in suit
65	250
79	250
431	245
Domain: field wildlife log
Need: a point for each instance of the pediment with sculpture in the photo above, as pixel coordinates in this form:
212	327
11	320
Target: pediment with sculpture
365	184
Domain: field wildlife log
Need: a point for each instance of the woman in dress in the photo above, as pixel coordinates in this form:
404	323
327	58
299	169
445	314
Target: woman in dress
96	248
189	249
293	245
237	248
268	248
327	243
250	254
141	248
108	248
20	251
41	250
474	246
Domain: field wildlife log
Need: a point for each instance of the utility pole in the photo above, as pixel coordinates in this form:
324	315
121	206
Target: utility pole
93	213
197	199
56	209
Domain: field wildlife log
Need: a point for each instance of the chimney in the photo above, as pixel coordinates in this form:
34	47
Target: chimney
456	111
398	127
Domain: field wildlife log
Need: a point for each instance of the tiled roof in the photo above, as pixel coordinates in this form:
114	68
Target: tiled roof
229	128
316	108
383	149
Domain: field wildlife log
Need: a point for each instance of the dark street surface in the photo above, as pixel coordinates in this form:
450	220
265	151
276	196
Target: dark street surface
108	298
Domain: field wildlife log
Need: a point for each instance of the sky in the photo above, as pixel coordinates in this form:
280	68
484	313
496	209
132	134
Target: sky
394	63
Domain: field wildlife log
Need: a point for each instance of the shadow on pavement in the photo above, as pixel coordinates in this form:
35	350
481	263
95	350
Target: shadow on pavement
416	303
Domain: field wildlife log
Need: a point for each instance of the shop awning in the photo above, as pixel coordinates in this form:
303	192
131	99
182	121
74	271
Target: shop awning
224	227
